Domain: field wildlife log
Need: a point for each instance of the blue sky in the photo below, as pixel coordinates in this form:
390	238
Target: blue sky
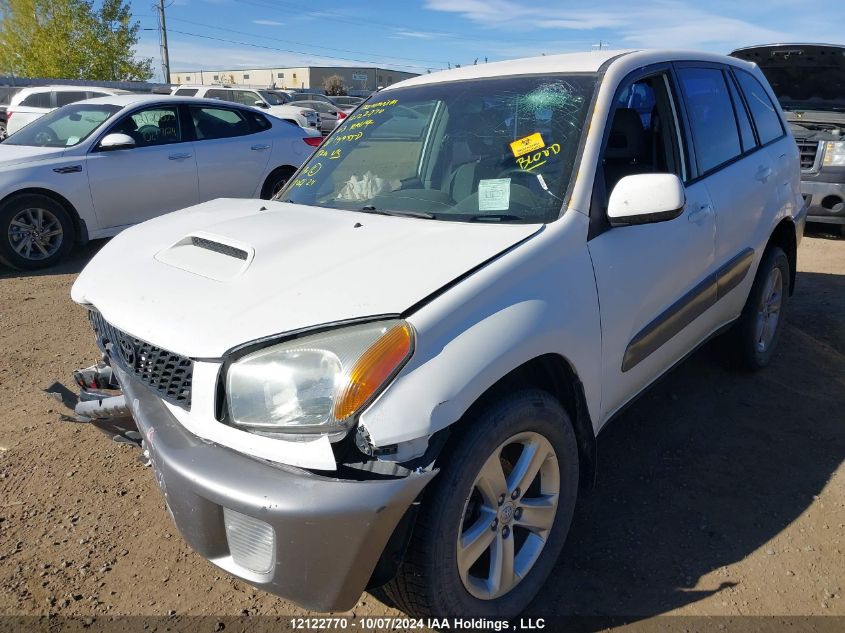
416	35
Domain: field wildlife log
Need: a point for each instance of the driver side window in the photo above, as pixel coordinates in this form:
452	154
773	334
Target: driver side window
644	133
151	126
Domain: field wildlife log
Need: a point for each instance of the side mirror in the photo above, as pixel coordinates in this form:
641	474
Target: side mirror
645	198
261	104
116	141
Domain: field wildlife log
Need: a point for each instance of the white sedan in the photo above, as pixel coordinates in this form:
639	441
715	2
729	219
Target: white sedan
90	169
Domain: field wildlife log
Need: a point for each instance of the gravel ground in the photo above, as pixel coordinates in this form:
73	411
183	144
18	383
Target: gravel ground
719	493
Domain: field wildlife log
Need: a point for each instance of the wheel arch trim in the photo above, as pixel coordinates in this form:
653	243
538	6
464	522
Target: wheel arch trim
79	225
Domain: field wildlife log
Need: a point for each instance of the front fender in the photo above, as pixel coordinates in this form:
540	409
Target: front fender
536	299
71	186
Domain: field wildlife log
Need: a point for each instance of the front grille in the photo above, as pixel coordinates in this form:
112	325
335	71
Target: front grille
165	373
807	151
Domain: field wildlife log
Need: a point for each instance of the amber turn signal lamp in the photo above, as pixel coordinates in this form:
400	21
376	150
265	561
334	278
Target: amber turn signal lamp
375	367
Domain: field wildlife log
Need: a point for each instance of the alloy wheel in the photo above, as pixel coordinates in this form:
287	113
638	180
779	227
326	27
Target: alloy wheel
508	515
35	233
768	312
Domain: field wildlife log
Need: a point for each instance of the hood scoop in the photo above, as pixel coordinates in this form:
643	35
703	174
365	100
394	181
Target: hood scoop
208	256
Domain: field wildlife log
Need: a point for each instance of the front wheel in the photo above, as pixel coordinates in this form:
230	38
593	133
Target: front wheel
35	232
494	522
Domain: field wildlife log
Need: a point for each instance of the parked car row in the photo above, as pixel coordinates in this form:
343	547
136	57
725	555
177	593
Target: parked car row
268	100
89	169
141	156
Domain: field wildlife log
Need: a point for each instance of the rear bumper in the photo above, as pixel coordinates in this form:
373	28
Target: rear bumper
328	533
826	201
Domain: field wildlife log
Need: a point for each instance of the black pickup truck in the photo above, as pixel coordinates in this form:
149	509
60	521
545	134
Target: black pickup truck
809	81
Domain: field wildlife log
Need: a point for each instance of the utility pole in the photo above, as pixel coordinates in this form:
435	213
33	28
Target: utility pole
162	38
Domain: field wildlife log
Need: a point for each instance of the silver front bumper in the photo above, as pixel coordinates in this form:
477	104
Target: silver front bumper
327	534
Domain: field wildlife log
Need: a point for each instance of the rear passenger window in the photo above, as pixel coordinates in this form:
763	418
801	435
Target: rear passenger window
746	132
711	116
37	100
211	123
762	109
64	98
216	93
246	97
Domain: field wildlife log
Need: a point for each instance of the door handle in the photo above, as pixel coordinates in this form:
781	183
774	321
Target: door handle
259	147
697	216
179	156
763	173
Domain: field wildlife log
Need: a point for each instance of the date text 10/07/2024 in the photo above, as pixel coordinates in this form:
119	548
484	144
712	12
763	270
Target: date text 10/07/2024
400	623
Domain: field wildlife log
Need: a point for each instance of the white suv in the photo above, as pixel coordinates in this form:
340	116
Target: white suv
396	373
265	99
32	103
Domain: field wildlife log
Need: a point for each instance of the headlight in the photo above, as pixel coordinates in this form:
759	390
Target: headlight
834	154
316	384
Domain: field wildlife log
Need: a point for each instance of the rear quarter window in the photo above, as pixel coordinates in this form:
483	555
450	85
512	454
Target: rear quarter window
763	111
187	92
37	100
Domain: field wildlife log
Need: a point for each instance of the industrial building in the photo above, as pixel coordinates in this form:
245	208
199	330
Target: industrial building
301	77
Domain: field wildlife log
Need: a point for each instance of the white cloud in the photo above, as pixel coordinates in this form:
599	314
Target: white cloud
268	22
648	23
418	35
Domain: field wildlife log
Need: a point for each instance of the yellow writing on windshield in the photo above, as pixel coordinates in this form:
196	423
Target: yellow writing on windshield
536	159
346	138
380	104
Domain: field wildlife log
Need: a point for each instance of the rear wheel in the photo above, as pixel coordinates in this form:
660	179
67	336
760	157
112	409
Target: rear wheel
35	232
758	329
276	181
494	522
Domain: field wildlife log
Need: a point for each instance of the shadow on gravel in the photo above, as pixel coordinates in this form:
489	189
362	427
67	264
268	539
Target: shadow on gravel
824	231
706	468
72	264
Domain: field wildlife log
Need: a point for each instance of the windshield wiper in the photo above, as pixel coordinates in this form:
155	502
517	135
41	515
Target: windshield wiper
400	214
496	217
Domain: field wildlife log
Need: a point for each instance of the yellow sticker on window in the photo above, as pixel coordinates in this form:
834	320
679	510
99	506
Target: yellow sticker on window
529	143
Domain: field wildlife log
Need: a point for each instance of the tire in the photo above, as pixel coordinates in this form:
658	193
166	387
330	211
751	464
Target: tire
755	335
275	181
428	583
21	214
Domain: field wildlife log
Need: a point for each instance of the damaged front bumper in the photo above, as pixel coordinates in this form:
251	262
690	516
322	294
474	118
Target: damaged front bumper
312	539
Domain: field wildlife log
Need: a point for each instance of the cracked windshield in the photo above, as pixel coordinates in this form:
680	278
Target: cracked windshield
494	150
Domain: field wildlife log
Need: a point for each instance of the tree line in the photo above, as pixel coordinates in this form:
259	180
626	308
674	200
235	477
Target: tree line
71	39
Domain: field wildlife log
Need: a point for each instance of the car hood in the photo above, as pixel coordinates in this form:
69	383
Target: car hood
803	76
11	155
209	278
